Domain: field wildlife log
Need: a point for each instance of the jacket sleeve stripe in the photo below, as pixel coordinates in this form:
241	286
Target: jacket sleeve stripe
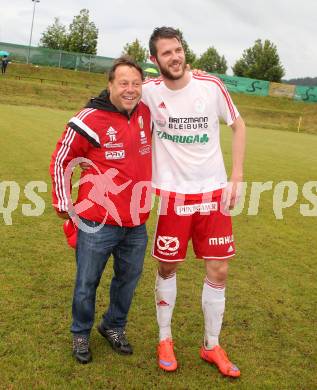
59	170
62	154
81	128
83	113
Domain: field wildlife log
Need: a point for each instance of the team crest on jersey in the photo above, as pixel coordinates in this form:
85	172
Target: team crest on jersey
199	105
141	123
160	122
111	133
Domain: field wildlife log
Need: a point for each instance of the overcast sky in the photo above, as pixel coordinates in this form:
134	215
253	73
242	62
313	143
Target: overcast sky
230	26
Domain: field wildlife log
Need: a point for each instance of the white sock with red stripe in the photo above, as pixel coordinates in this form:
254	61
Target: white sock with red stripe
165	298
213	304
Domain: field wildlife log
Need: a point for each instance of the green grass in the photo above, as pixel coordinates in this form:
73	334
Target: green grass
258	111
54	74
270	320
51	93
277	113
26	93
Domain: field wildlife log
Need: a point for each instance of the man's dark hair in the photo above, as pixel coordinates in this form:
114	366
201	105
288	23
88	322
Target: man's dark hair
127	61
159	33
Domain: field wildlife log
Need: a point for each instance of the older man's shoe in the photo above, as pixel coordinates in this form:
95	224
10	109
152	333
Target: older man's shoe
81	350
117	339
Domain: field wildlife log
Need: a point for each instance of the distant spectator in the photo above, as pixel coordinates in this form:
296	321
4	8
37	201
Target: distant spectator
4	64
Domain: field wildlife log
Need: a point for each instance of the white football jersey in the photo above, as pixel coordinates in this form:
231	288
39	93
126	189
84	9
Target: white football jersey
187	157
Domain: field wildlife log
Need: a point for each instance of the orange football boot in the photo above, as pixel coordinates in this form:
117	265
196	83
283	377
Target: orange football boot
165	355
218	356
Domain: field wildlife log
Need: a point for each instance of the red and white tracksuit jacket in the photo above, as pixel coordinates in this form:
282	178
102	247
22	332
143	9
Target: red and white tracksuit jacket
116	188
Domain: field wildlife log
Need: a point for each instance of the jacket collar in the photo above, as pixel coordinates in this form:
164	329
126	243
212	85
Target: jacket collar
102	102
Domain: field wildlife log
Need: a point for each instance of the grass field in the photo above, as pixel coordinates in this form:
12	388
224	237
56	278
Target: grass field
270	318
53	74
270	321
264	112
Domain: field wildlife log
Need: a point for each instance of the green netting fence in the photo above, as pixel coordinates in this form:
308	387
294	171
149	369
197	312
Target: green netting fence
266	88
57	58
91	63
306	94
245	85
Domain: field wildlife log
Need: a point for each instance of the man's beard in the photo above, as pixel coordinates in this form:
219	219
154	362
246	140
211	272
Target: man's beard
168	75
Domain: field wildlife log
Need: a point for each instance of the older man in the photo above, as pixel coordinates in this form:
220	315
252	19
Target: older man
113	133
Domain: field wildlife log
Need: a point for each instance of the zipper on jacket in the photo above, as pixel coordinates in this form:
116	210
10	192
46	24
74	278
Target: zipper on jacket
134	151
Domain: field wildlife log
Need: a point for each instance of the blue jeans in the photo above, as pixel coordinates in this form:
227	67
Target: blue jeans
127	245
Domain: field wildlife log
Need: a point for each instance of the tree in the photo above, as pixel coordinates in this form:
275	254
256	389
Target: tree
55	36
260	62
189	54
81	37
83	34
136	51
211	61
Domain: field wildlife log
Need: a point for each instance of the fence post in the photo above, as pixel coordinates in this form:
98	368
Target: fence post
89	62
60	59
299	123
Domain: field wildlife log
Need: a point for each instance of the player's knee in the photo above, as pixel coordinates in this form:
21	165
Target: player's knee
222	274
167	269
217	271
